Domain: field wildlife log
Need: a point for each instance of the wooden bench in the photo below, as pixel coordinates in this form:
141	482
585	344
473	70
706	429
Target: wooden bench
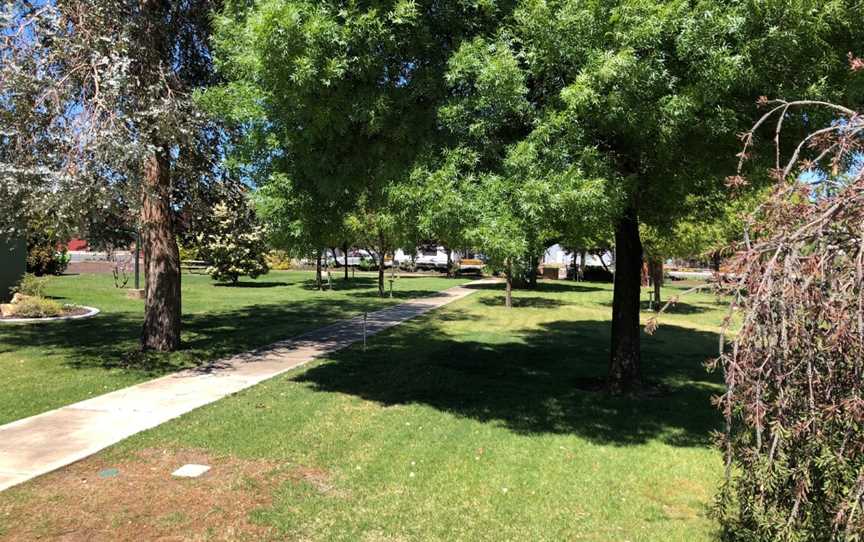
470	265
198	267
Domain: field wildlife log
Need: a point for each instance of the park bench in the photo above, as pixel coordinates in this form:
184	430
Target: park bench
471	265
194	266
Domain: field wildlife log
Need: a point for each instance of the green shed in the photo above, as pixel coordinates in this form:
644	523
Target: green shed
13	264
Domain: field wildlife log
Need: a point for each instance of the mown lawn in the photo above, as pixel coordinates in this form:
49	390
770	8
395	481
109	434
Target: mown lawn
51	364
470	423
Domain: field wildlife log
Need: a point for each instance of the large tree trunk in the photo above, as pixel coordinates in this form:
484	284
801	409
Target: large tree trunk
161	330
345	253
449	262
625	372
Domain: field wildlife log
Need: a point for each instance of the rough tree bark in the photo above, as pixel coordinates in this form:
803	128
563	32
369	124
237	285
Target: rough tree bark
449	262
625	372
161	330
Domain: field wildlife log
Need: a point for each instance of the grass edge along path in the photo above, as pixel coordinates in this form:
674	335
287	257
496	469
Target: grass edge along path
53	364
40	444
471	422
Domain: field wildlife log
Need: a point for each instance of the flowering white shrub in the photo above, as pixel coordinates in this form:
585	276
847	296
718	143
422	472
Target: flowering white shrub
235	244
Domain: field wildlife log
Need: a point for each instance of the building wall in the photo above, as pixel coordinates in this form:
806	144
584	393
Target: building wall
13	264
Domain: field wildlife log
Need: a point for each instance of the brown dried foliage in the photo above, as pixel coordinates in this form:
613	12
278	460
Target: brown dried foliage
794	371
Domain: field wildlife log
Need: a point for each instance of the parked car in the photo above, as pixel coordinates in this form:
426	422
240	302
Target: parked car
431	257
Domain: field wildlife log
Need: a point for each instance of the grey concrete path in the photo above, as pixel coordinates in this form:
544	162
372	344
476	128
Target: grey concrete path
40	444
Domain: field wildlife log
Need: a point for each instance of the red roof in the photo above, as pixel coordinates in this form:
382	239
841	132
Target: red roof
77	244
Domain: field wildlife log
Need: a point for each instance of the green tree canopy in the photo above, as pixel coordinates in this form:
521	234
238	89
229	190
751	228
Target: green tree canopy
342	96
644	97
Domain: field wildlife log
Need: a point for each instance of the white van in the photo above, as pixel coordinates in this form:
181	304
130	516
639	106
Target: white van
431	257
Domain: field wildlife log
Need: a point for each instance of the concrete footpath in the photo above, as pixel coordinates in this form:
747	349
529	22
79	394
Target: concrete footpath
40	444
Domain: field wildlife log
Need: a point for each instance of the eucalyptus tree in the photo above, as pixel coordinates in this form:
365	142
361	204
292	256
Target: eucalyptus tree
96	106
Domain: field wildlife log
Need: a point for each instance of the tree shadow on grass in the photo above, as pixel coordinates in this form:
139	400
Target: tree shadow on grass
535	383
543	287
247	284
367	287
110	340
675	308
523	302
340	284
397	294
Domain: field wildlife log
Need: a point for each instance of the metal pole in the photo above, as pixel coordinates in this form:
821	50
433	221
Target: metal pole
137	257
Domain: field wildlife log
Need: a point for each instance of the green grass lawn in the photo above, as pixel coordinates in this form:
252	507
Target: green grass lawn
51	364
469	423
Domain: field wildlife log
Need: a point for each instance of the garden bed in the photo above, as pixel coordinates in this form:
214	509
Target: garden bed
70	312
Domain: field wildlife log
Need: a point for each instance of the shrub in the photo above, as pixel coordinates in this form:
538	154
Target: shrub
45	259
188	252
37	307
235	243
279	260
31	285
368	264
